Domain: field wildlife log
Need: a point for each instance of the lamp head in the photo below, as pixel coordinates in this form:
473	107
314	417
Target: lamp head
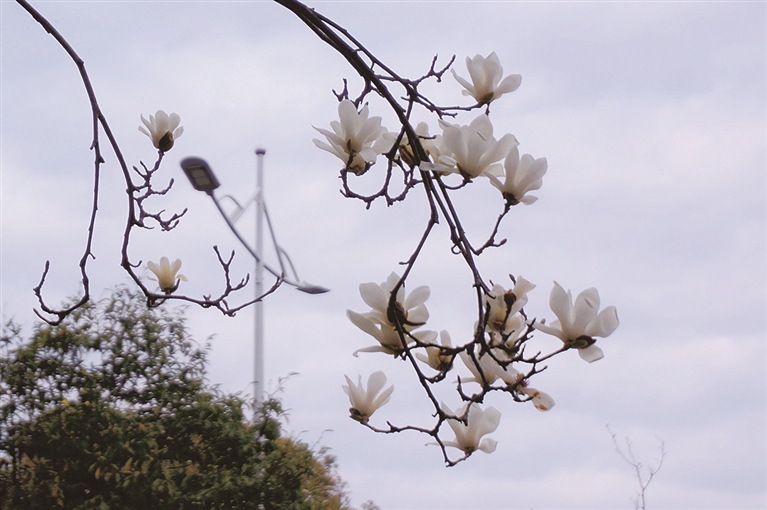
200	174
311	289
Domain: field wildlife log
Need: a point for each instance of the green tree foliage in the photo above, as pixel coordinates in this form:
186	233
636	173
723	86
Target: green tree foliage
110	410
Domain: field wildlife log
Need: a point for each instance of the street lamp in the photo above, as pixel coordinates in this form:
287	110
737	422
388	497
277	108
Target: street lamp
203	179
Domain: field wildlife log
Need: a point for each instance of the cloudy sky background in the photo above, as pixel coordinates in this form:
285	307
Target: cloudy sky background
651	116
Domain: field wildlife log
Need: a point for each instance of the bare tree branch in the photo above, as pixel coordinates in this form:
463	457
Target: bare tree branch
644	474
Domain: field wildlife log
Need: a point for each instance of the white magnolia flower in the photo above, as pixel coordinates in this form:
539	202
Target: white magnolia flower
163	129
428	142
542	401
490	369
486	84
366	401
434	356
356	139
468	438
522	175
410	312
471	150
166	274
504	306
386	334
579	323
509	375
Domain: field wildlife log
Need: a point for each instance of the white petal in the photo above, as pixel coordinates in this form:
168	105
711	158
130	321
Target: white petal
418	315
364	324
376	382
544	402
383	397
465	84
374	296
322	145
488	445
605	323
509	84
427	336
372	348
368	154
489	420
350	389
417	297
585	310
551	329
591	353
348	115
561	303
173	121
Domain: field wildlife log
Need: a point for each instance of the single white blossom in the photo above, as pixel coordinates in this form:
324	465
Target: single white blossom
542	401
471	150
468	437
435	357
509	375
166	274
386	334
163	129
486	84
522	175
428	142
410	312
490	369
579	323
504	305
516	326
356	139
366	401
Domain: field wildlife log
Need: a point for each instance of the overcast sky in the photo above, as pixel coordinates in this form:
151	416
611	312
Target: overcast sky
651	116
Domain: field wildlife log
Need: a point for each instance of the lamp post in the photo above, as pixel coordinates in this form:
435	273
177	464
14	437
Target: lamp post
203	179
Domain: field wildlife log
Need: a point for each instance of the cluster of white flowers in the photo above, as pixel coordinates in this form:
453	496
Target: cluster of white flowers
494	356
469	150
577	325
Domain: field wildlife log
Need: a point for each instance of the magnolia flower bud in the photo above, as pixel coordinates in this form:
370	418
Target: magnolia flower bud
166	274
163	129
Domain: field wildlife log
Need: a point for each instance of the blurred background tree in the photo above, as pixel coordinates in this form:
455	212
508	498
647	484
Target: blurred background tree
111	409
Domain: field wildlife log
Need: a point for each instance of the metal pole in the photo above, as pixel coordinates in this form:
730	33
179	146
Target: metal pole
258	383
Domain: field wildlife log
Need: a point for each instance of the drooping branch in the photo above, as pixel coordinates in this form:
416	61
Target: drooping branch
97	118
407	153
137	214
